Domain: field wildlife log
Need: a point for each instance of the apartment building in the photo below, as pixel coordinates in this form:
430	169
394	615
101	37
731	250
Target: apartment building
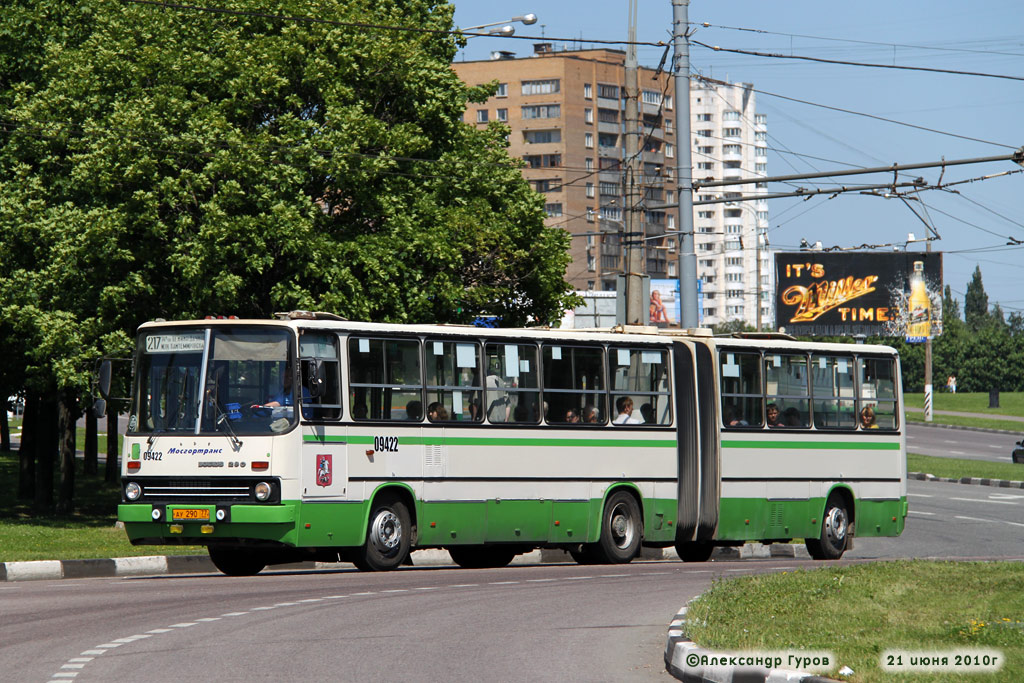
566	109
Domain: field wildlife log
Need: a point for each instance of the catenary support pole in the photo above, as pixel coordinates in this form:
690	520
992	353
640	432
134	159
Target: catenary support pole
687	258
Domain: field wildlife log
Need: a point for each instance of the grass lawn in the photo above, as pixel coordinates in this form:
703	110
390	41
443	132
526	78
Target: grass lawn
858	612
957	468
1010	403
86	534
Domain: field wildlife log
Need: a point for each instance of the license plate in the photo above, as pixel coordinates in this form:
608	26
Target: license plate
191	514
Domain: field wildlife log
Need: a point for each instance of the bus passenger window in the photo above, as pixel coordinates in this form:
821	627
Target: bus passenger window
742	397
832	385
453	381
640	386
511	387
574	380
384	379
877	390
786	388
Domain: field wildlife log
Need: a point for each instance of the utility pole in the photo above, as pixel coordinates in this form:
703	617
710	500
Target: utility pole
687	258
633	237
928	362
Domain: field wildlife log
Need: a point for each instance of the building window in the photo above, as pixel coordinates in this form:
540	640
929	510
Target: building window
501	114
707	246
607	115
668	101
731	116
609	189
543	160
612	213
588	91
502	90
553	209
670	151
545	87
704	117
705	214
481	116
760	151
760	118
760	136
607	139
706	150
706	229
590	214
651	97
733	229
762	216
610	92
761	168
588	140
550	185
705	166
703	133
731	132
542	136
589	164
590	190
734	261
588	115
542	111
731	149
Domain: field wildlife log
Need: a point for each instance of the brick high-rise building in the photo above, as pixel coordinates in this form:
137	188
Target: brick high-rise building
566	114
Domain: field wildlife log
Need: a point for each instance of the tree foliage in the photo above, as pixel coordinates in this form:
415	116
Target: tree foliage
976	302
170	162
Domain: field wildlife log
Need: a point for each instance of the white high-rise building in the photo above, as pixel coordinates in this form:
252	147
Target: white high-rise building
730	141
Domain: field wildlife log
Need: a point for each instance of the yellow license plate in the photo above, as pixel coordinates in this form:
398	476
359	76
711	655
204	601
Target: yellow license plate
191	515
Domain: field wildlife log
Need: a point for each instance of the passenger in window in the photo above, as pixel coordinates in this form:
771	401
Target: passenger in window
590	414
867	418
647	410
359	411
572	417
436	412
624	407
730	419
414	410
792	418
772	413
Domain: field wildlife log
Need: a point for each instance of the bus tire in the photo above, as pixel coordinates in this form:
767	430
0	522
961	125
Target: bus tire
387	535
234	561
487	557
835	531
586	554
694	551
621	529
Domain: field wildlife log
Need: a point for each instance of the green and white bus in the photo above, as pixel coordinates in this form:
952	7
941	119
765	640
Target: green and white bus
494	442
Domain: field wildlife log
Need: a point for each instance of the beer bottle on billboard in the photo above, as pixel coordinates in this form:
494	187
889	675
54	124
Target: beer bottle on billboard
920	306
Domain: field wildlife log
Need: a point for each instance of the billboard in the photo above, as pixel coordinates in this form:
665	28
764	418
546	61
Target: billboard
847	293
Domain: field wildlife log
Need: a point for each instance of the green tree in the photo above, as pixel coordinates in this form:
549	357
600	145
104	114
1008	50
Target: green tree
177	163
976	302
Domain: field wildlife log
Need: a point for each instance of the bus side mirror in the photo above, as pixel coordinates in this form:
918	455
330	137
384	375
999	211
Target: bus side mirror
103	379
99	408
315	377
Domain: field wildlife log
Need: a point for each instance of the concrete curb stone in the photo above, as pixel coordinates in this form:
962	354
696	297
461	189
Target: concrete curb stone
966	428
976	481
678	647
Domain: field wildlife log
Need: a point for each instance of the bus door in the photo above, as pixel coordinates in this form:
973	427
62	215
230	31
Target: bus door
324	467
697	437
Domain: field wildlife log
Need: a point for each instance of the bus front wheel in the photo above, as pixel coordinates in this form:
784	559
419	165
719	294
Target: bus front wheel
387	536
236	561
621	529
835	531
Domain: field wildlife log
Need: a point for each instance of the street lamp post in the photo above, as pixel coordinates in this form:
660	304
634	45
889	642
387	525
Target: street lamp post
505	27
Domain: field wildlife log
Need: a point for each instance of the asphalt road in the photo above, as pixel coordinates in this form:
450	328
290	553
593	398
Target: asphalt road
537	623
961	443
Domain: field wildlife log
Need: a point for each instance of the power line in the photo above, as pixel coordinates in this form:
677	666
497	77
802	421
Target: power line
378	27
860	113
775	55
861	42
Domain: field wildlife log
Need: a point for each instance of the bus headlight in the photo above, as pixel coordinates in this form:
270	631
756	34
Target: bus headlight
132	491
262	491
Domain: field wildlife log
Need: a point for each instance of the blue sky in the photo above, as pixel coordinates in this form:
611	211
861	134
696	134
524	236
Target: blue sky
975	224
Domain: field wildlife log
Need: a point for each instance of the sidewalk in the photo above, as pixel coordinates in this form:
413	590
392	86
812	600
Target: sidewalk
987	416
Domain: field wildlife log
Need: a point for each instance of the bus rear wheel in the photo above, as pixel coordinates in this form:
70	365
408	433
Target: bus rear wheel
387	535
835	531
234	561
694	551
621	529
487	557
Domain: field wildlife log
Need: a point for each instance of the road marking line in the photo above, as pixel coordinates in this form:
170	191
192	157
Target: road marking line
81	659
364	593
76	665
988	521
918	512
261	609
184	624
285	604
502	583
465	585
93	652
920	495
234	614
334	597
957	452
209	619
65	674
540	580
986	500
307	600
427	588
110	646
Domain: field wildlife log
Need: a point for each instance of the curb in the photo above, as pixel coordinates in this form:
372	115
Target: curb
678	648
977	481
965	428
155	565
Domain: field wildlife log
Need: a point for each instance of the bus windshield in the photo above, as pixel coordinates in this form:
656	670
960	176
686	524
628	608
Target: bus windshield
230	380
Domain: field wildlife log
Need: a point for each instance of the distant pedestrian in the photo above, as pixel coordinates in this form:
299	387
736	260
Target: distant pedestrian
951	384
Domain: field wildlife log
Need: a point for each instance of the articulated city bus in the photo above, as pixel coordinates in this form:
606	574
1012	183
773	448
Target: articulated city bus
313	438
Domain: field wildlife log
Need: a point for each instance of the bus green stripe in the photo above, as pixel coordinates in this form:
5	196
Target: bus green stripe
816	445
501	441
